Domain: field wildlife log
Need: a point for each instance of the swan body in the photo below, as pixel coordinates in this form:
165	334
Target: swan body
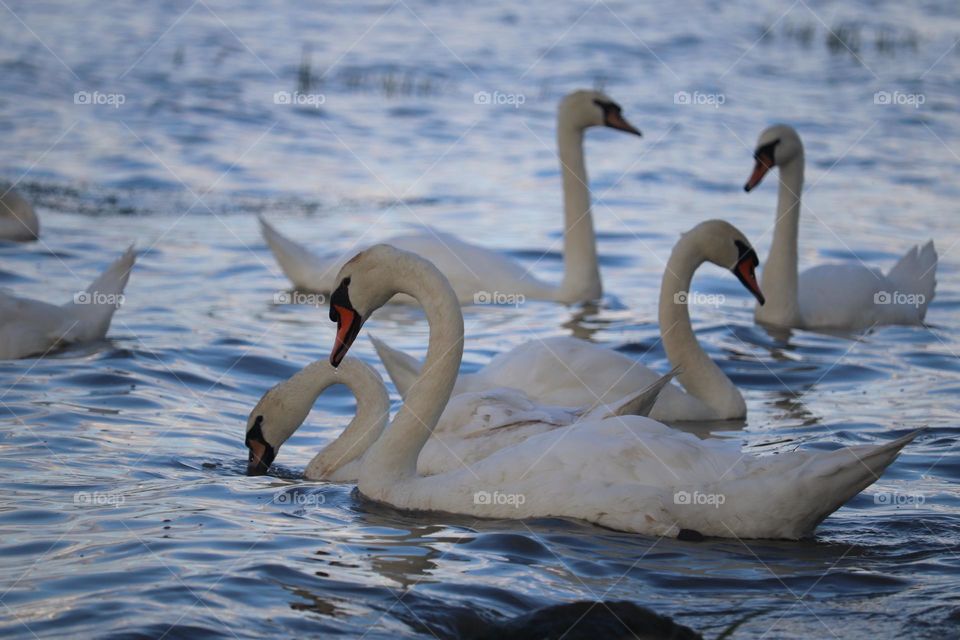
565	371
629	473
474	271
30	327
474	426
18	222
831	296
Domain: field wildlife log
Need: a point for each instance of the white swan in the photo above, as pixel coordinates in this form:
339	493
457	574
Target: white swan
837	296
283	409
30	327
473	270
18	221
566	371
473	426
628	472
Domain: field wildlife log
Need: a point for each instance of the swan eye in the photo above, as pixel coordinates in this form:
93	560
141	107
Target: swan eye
608	107
746	252
340	298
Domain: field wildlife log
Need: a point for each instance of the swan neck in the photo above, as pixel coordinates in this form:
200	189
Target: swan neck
701	377
394	456
581	272
368	423
779	281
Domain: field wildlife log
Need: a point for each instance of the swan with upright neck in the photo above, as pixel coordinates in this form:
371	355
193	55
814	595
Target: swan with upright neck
474	270
566	371
830	296
628	473
473	426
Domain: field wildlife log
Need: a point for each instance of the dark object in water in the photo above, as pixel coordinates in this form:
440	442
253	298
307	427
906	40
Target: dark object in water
588	621
690	535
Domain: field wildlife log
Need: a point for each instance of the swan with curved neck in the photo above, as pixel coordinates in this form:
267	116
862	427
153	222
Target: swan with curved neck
831	296
473	426
283	409
627	471
569	372
473	270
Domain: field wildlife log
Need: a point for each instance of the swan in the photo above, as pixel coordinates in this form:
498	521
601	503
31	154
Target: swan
283	408
565	370
628	473
474	425
474	271
830	296
18	221
29	327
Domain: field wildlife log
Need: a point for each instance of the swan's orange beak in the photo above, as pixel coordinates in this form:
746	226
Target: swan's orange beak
348	327
745	271
764	164
617	121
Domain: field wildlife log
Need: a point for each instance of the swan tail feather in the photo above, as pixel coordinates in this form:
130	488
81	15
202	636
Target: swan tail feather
402	368
916	273
305	269
837	476
89	314
641	403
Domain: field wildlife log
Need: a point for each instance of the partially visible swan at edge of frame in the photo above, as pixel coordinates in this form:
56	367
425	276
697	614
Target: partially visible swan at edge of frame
18	222
474	425
473	270
629	473
830	296
30	327
567	371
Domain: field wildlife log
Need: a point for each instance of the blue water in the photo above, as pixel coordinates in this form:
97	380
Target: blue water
124	510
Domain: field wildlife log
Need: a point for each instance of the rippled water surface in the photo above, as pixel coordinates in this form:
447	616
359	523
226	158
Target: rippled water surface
124	508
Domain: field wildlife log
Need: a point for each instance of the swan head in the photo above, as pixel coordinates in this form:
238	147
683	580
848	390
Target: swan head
354	299
276	417
777	145
724	245
583	109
